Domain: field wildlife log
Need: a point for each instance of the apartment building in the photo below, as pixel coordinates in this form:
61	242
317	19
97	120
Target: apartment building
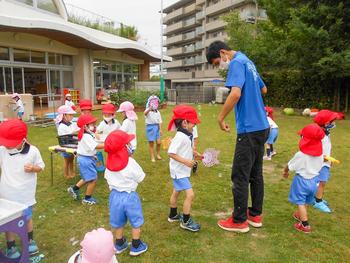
191	25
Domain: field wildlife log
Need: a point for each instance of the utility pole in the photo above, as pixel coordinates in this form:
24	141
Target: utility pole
162	86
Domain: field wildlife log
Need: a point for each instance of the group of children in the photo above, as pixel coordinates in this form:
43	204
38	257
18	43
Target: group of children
20	162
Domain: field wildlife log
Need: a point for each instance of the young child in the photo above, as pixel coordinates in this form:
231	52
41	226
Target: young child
97	246
123	174
69	102
181	163
109	122
20	162
153	126
87	147
85	106
19	107
65	126
272	135
306	163
325	119
129	122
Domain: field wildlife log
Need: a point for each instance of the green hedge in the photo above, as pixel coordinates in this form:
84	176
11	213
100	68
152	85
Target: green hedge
138	98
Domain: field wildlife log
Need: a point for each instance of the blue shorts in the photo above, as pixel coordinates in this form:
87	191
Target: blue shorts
66	155
302	191
152	132
20	114
272	136
182	184
28	213
87	168
125	206
324	174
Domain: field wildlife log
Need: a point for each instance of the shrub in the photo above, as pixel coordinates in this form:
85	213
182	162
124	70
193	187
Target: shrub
138	98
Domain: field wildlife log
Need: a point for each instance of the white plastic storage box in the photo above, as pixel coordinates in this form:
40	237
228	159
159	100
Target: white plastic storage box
10	210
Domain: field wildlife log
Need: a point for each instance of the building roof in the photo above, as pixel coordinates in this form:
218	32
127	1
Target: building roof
20	18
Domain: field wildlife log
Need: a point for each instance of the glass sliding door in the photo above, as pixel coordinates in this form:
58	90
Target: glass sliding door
18	80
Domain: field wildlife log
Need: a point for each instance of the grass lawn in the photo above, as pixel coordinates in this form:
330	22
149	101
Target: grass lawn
59	220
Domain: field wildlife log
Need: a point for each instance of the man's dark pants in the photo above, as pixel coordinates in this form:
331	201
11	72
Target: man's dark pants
247	170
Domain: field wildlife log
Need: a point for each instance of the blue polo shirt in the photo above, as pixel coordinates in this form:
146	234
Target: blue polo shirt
250	112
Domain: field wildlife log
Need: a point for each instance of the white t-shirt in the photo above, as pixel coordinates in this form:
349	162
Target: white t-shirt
87	145
64	129
127	179
195	132
272	124
129	126
69	103
327	148
153	117
306	165
180	145
15	184
106	128
19	105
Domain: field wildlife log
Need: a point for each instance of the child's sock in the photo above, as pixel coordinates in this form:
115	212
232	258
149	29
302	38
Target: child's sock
173	212
87	196
30	236
10	244
120	242
136	243
305	223
268	152
318	200
186	218
75	188
271	147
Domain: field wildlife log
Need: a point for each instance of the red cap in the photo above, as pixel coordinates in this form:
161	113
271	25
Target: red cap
85	104
84	120
311	140
12	132
269	111
341	116
115	146
325	116
184	112
108	108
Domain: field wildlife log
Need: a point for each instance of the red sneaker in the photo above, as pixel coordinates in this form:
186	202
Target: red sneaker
296	216
255	221
229	225
299	226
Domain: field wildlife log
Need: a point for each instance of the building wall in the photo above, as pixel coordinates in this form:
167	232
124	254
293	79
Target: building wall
192	26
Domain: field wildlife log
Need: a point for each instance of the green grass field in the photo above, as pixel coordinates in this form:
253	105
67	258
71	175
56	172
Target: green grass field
59	220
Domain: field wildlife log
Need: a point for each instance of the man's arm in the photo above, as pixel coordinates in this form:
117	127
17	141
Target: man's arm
230	102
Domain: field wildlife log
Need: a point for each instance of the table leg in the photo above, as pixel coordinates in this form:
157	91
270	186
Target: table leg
51	168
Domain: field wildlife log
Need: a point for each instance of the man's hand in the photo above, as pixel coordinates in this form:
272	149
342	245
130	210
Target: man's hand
224	126
189	163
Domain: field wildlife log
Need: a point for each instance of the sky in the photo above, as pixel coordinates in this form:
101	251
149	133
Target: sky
140	13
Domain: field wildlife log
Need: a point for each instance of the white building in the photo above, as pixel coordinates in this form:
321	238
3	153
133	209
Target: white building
42	53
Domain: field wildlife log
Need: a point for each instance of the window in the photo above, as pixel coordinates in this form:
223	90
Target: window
2	81
27	2
4	54
47	5
54	59
68	79
67	60
21	55
127	68
18	80
37	57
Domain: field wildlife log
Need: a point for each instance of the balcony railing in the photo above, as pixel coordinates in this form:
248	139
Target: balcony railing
189	49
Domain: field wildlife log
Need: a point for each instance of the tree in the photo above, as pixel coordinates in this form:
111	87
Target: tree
304	48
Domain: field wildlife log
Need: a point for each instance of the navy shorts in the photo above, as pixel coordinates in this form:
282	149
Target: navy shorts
125	206
66	155
87	167
272	136
182	184
324	174
152	132
302	191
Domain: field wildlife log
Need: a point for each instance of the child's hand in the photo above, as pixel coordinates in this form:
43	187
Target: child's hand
197	155
29	168
285	174
189	163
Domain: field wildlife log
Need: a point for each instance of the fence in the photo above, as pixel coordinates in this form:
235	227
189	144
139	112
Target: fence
191	94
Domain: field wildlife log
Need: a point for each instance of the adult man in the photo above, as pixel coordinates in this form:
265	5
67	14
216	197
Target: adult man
252	126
